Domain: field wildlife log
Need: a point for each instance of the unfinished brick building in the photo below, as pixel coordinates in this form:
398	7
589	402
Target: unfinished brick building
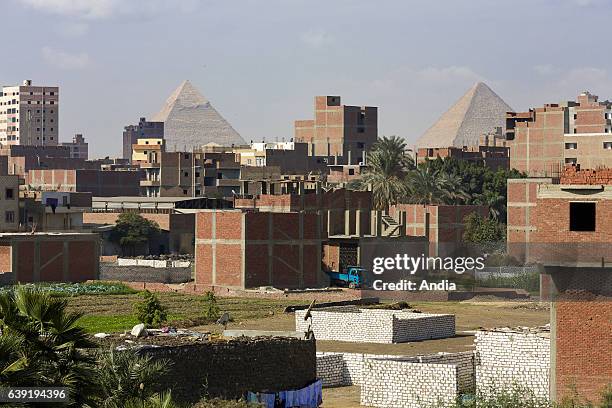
99	183
565	228
543	140
241	249
45	257
340	131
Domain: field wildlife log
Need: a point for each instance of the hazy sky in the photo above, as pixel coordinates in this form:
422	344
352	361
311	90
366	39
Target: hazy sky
260	62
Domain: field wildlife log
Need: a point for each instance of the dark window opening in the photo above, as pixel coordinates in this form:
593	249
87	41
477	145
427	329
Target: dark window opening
582	216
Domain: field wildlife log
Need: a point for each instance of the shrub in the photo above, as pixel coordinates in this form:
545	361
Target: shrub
211	308
150	311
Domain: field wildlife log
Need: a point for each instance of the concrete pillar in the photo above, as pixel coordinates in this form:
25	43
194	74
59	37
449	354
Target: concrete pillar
329	224
358	231
347	222
348	157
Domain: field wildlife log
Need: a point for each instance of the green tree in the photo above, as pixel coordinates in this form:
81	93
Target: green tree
479	230
132	230
211	307
125	378
149	310
41	345
427	185
388	165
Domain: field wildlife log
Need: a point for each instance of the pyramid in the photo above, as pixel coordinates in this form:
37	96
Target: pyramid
190	121
478	112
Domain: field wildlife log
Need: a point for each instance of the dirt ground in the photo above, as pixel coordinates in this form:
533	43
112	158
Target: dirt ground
470	316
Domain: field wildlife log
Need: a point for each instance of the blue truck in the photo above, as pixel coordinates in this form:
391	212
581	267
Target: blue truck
353	277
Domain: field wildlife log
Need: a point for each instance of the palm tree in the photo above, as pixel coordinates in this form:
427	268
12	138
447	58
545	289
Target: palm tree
388	164
125	376
427	185
44	341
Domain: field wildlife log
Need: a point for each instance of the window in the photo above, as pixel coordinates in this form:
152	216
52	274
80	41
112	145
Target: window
9	216
10	194
186	157
186	174
197	174
184	192
351	172
571	146
571	160
607	145
575	117
582	216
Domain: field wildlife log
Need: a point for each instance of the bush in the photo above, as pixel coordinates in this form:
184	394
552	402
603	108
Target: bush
150	311
529	281
211	308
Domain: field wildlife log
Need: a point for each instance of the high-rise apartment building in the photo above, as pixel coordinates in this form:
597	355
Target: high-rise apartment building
29	115
340	131
143	130
543	140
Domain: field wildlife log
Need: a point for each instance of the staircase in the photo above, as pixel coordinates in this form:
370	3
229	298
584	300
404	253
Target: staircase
390	227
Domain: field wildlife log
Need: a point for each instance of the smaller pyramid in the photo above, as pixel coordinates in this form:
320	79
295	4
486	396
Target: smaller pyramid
190	121
477	112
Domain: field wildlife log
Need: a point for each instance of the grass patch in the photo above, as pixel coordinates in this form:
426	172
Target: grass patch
107	324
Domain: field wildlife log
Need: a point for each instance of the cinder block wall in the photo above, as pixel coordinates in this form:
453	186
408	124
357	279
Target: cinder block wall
510	359
376	326
404	384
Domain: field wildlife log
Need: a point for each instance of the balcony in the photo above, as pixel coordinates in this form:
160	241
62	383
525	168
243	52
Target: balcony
149	183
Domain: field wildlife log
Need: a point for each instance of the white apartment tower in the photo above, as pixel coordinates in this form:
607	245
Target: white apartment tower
29	115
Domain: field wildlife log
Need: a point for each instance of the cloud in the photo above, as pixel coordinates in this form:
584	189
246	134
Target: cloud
545	69
446	74
316	38
76	8
100	9
73	29
64	60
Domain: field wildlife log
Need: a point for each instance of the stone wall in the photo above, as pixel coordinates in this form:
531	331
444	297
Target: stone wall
114	272
513	359
226	368
376	325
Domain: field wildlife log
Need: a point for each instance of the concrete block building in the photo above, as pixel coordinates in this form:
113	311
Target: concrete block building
29	115
240	249
9	202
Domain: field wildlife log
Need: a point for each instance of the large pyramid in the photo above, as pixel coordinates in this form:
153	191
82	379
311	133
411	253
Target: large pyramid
190	121
478	112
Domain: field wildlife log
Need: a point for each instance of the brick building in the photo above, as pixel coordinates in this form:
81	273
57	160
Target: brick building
347	132
492	152
98	182
43	257
564	226
442	225
543	140
240	249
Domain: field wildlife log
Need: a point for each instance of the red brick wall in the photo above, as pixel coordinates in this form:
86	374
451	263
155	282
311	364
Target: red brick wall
583	346
5	258
163	220
264	232
83	264
574	175
52	261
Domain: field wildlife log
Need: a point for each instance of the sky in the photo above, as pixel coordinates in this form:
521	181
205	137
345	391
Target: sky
261	62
